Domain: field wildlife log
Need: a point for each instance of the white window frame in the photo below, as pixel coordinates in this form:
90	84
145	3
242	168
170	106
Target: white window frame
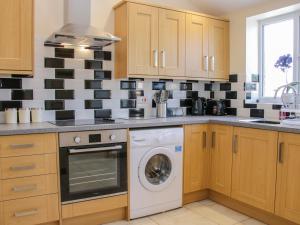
296	53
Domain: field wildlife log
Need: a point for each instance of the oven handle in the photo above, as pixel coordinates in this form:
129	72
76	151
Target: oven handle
87	150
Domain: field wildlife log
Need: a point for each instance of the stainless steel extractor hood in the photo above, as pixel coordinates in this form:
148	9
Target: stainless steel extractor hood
77	30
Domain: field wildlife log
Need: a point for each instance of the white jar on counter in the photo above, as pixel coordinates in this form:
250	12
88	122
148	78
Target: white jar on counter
24	115
11	116
37	115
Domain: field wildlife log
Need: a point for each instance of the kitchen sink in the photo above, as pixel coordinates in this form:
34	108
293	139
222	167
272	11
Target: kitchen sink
262	122
266	122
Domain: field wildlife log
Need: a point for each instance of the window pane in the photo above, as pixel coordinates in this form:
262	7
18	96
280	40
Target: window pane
278	40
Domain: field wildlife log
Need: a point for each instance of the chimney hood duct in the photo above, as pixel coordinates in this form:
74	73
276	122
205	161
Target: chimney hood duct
77	30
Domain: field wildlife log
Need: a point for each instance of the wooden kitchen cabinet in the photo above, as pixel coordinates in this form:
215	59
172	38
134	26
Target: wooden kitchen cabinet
143	39
159	42
197	46
16	39
207	48
22	145
288	182
196	158
171	43
218	50
31	211
221	158
153	41
254	167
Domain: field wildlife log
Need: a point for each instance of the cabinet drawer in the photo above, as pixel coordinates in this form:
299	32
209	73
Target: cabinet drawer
25	166
21	145
29	186
30	211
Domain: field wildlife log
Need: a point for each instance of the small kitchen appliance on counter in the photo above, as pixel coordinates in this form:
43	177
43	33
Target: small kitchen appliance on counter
215	108
199	106
161	98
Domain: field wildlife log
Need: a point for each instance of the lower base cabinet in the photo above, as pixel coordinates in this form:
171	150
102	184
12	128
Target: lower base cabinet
196	158
28	211
221	158
288	181
254	167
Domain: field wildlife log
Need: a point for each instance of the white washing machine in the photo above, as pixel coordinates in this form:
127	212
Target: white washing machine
156	165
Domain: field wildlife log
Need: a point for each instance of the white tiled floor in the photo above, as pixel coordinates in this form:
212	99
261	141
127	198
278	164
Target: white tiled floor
200	213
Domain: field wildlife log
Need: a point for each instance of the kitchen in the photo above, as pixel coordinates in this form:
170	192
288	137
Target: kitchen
162	112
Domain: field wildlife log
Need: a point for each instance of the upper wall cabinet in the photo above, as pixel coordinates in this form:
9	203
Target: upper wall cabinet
159	42
207	48
196	46
153	41
171	43
218	49
16	27
143	40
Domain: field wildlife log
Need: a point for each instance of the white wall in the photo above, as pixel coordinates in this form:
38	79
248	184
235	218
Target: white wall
238	32
103	15
49	17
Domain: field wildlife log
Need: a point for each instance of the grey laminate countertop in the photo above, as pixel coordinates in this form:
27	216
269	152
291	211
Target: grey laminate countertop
34	128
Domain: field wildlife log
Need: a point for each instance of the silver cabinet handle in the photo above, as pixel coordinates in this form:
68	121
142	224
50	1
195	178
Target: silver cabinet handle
139	140
26	213
19	146
87	150
235	142
155	56
163	58
213	139
212	63
205	63
21	168
204	140
280	152
26	188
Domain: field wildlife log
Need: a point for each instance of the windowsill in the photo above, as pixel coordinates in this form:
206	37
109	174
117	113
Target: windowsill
270	100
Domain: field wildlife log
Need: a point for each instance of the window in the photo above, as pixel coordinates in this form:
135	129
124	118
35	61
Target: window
278	59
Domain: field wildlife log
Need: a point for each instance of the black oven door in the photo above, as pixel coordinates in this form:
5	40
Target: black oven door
88	172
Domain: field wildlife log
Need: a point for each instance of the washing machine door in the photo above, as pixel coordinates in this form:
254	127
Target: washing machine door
157	169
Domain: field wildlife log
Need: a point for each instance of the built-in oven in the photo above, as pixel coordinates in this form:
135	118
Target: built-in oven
93	164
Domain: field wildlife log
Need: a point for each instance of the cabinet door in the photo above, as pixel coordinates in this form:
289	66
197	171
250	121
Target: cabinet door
143	40
172	43
196	158
254	167
196	46
221	158
16	19
288	182
218	49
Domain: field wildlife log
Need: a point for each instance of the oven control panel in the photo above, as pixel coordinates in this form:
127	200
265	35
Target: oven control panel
92	137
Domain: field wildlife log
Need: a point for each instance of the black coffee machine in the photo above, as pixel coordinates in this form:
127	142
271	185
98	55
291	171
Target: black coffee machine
199	106
216	107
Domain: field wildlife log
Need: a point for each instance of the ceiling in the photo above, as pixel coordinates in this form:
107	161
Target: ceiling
223	7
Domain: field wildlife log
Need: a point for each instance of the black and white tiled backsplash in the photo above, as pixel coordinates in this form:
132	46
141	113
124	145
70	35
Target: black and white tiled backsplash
78	83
